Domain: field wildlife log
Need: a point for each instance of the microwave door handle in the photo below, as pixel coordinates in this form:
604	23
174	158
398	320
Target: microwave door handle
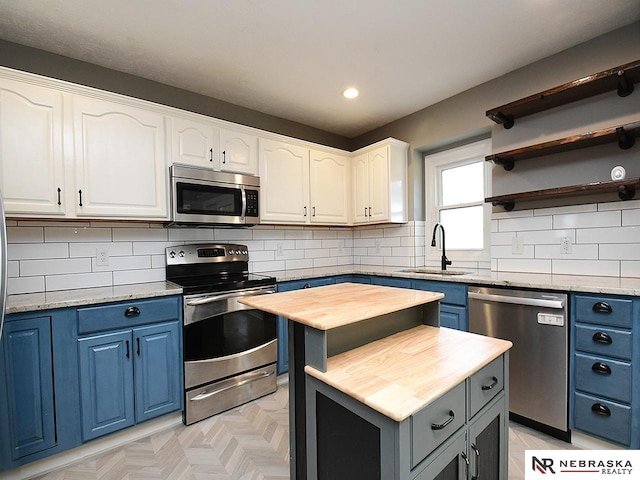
216	298
244	203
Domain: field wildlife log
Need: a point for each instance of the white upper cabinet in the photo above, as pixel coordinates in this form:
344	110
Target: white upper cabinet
239	152
284	185
31	149
379	188
120	167
194	143
329	188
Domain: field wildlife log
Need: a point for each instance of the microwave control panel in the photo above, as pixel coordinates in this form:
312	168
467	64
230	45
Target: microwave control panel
252	203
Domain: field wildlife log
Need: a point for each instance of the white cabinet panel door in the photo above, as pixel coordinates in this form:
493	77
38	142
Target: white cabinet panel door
194	143
379	185
360	188
31	155
239	152
329	188
284	185
120	160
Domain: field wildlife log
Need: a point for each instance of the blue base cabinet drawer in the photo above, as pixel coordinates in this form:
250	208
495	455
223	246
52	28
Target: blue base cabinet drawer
603	377
608	420
604	341
612	311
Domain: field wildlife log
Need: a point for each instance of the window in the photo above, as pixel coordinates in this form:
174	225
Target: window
457	182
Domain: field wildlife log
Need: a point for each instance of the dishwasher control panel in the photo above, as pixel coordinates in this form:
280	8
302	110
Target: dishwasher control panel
548	319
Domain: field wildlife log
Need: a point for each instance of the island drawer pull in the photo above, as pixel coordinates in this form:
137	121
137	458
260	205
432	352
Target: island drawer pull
440	426
132	312
494	382
601	409
602	307
602	337
601	368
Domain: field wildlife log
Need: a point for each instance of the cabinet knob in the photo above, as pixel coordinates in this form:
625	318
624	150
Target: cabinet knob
602	307
600	409
601	368
132	312
602	337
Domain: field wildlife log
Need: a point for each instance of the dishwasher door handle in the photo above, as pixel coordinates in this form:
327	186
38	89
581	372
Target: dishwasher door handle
532	302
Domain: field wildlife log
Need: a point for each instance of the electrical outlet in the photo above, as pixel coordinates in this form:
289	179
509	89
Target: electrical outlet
102	258
565	245
279	250
517	245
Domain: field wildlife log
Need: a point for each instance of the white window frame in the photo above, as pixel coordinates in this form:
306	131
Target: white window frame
434	164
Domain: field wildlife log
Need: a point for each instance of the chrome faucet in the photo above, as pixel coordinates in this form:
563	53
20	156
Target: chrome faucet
445	260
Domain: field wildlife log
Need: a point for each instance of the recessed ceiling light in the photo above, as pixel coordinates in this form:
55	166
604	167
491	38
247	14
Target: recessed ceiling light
350	93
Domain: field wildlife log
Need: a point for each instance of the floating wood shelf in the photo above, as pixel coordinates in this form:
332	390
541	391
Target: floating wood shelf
625	135
626	191
621	78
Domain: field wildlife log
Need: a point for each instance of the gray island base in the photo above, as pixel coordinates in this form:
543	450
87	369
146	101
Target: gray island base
379	391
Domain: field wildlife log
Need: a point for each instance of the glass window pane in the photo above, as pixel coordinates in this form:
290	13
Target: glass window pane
464	227
464	184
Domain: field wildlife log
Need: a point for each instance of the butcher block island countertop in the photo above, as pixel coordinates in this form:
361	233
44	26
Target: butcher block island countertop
400	374
334	306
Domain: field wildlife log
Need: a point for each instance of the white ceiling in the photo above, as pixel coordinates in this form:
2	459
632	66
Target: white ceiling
292	58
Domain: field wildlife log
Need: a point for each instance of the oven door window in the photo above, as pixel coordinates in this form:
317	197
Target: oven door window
208	200
228	334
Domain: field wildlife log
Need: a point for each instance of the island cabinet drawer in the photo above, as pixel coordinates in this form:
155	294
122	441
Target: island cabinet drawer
436	422
604	341
486	384
605	377
606	419
127	314
612	311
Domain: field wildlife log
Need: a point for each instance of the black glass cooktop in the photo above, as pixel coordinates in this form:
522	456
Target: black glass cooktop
222	283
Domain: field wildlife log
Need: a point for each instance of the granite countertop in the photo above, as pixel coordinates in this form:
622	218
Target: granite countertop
333	306
30	302
540	281
389	375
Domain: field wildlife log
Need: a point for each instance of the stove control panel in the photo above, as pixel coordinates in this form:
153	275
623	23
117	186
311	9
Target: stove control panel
206	253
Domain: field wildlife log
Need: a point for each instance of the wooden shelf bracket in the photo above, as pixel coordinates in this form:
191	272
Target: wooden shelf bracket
625	86
625	141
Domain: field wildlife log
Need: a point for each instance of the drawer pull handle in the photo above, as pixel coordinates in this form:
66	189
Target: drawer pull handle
477	454
602	307
601	368
494	382
132	312
602	337
601	409
440	426
127	344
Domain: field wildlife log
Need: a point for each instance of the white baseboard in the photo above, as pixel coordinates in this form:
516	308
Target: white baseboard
590	443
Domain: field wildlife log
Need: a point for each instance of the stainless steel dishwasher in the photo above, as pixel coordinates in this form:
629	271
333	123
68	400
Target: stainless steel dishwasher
536	323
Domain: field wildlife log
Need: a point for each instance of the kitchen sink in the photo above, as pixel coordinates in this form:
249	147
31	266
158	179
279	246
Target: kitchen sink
435	271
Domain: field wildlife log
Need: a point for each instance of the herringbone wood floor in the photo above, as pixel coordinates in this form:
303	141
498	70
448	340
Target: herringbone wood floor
250	442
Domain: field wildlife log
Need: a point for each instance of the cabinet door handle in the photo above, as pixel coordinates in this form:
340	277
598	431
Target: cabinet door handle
494	382
314	211
127	344
132	312
138	346
369	211
601	368
306	285
80	194
477	469
600	409
224	156
602	337
440	426
59	190
464	457
305	210
365	211
602	307
211	154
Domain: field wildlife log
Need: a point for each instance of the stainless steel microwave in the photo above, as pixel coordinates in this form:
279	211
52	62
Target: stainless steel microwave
204	197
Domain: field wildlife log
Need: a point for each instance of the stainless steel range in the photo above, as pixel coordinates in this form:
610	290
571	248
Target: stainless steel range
230	349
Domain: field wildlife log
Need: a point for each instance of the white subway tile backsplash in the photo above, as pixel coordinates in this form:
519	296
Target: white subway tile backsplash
26	234
604	268
308	244
587	220
192	235
232	235
268	234
621	205
13	269
547	237
589	207
119	249
127	277
501	238
609	235
630	268
146	248
325	234
506	251
20	285
140	262
631	217
525	223
325	262
578	252
55	266
619	251
33	251
141	234
299	263
79	234
524	265
81	280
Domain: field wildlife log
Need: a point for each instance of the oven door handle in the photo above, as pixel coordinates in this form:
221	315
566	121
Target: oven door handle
217	298
255	376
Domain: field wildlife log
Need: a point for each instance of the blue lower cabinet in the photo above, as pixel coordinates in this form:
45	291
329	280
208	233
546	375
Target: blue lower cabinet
157	366
106	383
128	376
282	325
454	316
29	396
391	282
453	307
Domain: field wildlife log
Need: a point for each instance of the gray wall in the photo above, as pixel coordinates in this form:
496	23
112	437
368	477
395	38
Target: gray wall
32	60
462	117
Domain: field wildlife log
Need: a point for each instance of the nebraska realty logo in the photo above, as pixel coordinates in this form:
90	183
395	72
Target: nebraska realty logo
581	464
